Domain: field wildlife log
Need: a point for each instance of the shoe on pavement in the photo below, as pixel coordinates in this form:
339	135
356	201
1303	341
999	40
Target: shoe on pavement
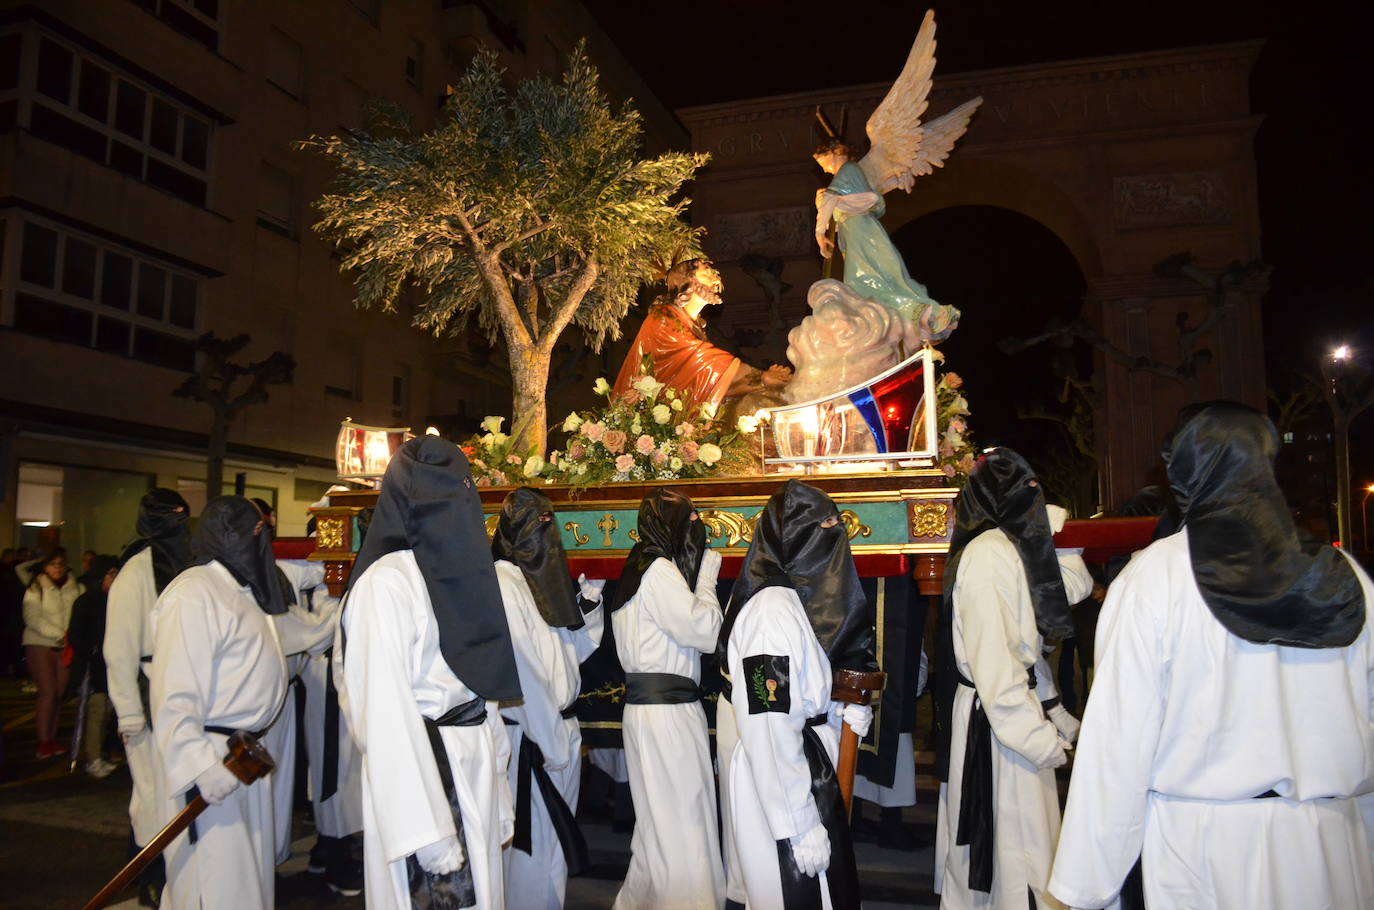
99	768
319	854
344	874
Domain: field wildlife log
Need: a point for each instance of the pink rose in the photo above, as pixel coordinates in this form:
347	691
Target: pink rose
659	458
685	430
689	451
576	451
946	450
483	482
948	469
966	463
614	441
953	380
514	459
958	425
498	477
593	431
629	397
624	463
644	444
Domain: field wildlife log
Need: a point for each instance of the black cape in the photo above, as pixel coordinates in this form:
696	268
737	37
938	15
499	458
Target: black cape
428	505
1260	580
233	533
536	548
666	531
163	525
791	549
1002	492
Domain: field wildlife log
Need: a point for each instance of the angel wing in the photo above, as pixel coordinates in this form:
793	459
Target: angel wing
901	148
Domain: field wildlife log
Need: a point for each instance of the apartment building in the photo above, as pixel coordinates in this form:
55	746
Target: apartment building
149	193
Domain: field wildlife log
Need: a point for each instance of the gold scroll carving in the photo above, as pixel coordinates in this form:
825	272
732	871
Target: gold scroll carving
929	519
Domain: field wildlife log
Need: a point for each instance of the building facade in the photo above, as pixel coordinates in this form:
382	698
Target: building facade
149	192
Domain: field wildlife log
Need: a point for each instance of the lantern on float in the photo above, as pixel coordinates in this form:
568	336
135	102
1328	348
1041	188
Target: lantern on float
362	453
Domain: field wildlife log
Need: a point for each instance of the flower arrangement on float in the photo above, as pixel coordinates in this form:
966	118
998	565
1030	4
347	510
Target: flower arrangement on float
649	432
955	454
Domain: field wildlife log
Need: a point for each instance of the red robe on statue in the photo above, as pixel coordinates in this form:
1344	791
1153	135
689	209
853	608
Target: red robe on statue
683	358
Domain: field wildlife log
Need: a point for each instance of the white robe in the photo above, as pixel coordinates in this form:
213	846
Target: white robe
390	672
770	780
301	633
1186	724
128	639
675	851
342	813
549	661
216	663
995	643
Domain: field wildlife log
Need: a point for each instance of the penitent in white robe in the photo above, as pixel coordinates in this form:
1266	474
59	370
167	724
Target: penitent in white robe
548	659
995	643
128	644
341	814
1187	723
391	673
216	663
302	634
770	781
675	851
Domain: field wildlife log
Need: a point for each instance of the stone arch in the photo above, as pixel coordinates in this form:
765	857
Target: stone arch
994	182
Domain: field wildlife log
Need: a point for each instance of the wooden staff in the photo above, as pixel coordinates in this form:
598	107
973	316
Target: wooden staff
854	688
247	758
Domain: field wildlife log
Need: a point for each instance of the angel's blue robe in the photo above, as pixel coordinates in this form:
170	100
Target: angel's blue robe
874	268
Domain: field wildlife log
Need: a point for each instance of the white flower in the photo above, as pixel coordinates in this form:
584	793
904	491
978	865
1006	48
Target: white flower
709	453
636	428
582	468
602	386
498	439
571	423
675	463
747	424
486	440
493	424
677	404
533	465
662	414
648	386
709	409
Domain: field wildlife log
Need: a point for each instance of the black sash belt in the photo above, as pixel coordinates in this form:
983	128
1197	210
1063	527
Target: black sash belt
329	784
977	809
570	838
454	890
799	890
660	689
570	712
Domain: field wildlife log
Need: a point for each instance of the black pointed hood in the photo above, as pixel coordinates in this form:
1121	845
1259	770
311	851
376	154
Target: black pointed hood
164	525
668	531
791	549
428	505
234	533
1259	578
533	544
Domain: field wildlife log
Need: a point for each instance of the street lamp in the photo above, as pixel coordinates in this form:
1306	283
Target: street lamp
1348	388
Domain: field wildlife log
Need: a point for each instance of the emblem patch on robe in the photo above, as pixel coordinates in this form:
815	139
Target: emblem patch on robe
768	683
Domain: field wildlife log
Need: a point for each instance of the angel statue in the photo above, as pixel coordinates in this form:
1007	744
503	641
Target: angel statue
901	149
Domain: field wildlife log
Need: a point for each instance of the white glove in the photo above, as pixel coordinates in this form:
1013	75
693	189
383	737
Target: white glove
591	587
443	857
216	782
1060	757
1065	722
130	726
811	850
710	569
859	718
1057	515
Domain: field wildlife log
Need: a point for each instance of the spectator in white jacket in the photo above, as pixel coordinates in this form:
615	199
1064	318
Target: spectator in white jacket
48	601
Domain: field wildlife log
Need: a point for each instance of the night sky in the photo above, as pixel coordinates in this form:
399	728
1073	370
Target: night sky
1312	84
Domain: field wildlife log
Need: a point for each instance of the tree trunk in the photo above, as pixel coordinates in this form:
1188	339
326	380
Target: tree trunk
529	369
214	457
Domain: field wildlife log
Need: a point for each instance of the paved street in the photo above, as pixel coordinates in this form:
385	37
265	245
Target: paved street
66	834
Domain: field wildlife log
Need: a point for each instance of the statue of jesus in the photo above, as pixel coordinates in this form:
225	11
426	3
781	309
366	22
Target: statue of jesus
674	334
